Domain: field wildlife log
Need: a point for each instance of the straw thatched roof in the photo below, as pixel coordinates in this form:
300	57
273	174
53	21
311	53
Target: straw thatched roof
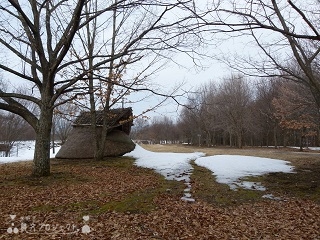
119	118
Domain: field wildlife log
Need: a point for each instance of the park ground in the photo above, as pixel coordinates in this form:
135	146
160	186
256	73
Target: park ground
114	199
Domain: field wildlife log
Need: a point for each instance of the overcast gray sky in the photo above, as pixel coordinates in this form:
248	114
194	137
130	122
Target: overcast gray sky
191	77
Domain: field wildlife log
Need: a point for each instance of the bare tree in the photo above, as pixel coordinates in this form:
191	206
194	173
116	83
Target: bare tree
297	111
63	128
264	119
12	129
190	120
285	32
40	47
202	119
38	37
187	125
64	115
234	98
210	113
139	129
129	72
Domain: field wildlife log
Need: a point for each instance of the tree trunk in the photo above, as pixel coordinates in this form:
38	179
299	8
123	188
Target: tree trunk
53	138
110	85
301	140
96	138
208	139
102	140
239	139
301	144
285	138
41	161
230	139
275	137
213	138
317	137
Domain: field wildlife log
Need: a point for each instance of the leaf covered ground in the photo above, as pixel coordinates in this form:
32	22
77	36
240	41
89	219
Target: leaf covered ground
113	199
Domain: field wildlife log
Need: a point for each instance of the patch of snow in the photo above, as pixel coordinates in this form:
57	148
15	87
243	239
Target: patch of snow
23	151
187	197
314	148
186	193
272	197
246	185
228	169
309	148
173	166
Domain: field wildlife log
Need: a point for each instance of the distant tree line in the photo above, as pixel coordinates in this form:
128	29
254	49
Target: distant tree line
13	128
238	112
159	130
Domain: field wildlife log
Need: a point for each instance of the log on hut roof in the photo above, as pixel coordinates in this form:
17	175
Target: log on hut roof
118	118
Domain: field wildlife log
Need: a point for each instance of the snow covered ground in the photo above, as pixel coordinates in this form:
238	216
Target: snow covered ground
23	151
173	166
228	169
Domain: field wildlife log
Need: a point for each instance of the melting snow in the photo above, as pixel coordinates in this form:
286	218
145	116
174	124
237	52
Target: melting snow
173	166
229	169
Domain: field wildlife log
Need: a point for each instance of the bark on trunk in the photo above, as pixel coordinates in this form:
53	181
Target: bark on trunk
41	161
208	139
230	139
301	140
239	138
285	139
275	139
317	137
96	142
102	140
99	155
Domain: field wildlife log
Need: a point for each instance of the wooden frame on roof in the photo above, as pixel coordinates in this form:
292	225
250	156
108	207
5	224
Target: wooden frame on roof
119	118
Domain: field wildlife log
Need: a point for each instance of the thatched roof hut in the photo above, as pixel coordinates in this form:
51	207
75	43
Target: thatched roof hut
81	140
